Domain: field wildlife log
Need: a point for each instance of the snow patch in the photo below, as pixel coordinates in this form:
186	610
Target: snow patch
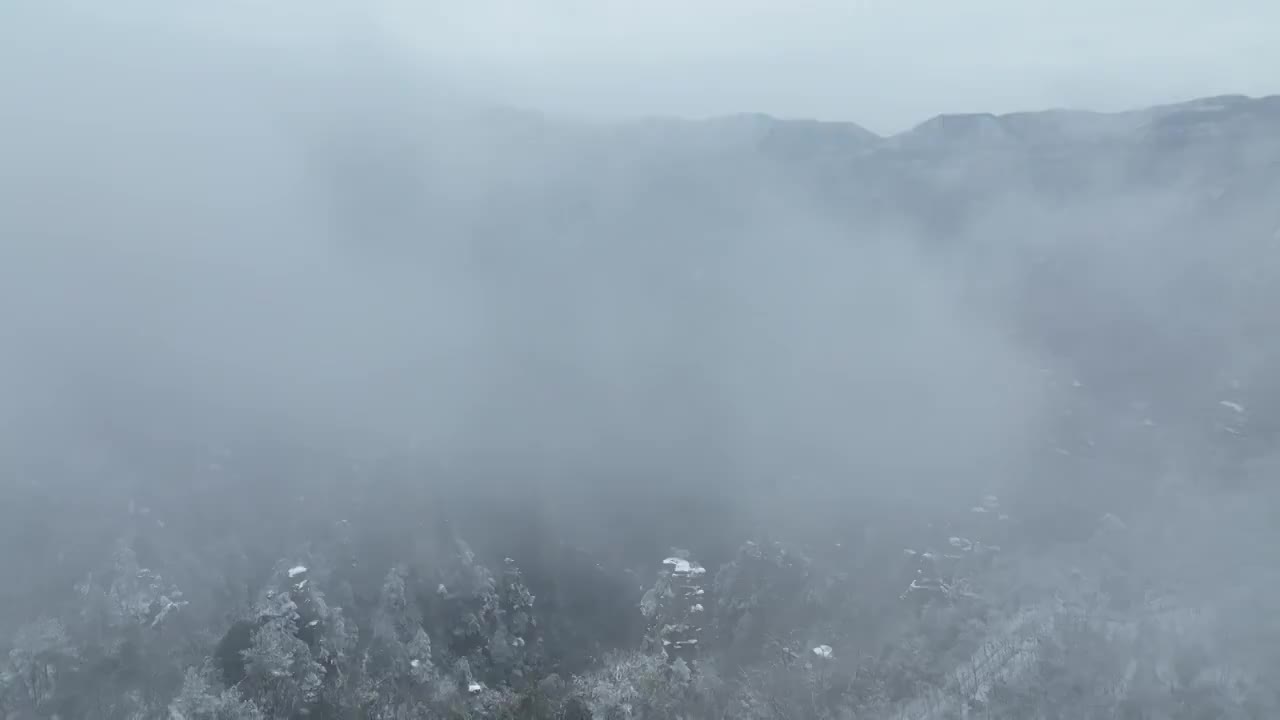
297	570
1232	405
684	567
678	564
823	651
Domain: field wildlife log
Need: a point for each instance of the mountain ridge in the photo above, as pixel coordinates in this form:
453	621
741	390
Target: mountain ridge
1070	123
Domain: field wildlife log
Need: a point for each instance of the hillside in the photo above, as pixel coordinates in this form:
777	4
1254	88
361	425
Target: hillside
331	395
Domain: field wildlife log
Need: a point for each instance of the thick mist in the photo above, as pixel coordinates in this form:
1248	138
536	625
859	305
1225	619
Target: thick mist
200	242
273	296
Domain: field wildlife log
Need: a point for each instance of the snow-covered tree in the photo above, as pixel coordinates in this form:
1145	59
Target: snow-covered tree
676	607
42	656
125	599
488	619
956	550
130	637
513	643
299	647
201	699
642	686
762	594
398	673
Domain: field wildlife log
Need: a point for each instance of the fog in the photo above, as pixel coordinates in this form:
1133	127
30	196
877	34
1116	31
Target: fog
887	65
331	250
283	289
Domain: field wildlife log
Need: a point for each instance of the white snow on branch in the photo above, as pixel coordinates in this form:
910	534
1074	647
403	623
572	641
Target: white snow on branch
684	567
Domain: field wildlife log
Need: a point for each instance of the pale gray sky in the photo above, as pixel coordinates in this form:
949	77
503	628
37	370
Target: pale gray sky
886	64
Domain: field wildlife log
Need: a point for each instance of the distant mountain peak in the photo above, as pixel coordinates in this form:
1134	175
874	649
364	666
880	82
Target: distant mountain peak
1062	125
981	127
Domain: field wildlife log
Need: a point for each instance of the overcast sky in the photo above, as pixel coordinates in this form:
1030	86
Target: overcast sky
886	64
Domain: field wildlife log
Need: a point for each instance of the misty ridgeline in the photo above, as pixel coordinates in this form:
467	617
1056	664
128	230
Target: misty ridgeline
329	393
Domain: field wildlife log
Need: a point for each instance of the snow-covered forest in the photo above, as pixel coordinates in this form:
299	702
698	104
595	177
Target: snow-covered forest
328	393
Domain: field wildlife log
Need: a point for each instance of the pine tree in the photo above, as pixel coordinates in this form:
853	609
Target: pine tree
397	669
676	608
200	699
299	648
42	656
